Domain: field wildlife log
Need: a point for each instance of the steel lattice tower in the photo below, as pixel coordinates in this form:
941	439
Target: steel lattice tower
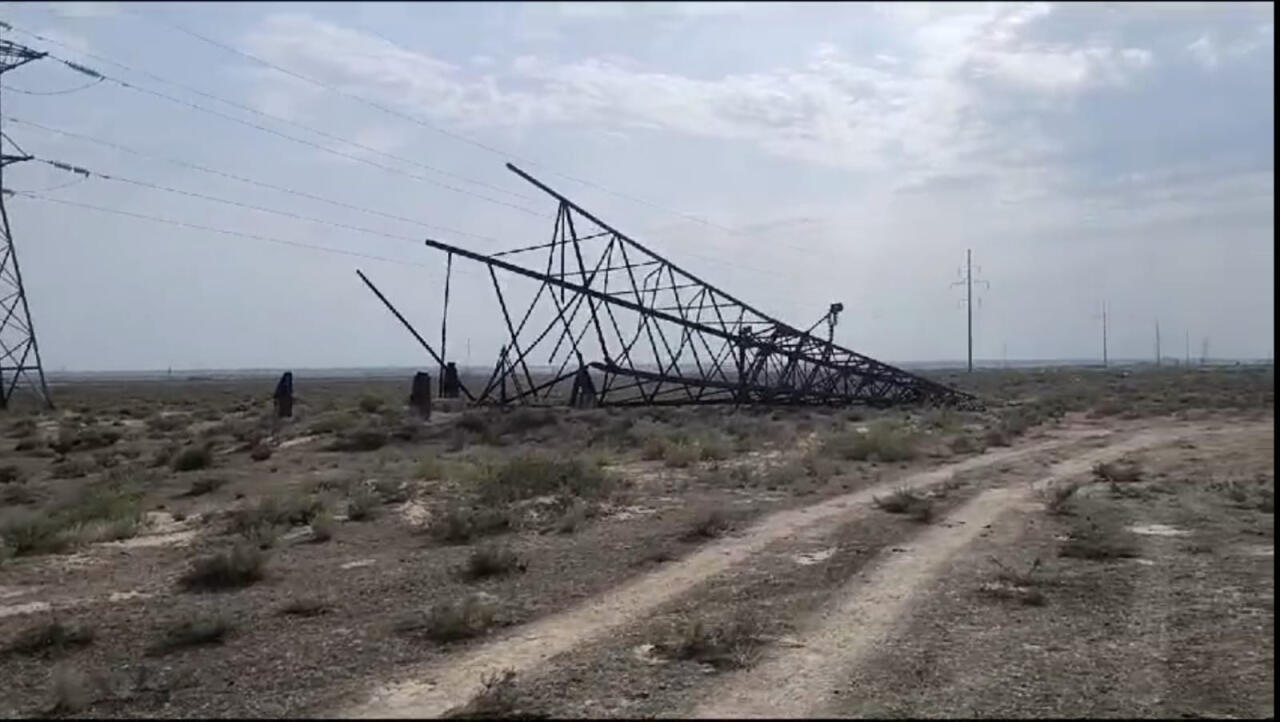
19	352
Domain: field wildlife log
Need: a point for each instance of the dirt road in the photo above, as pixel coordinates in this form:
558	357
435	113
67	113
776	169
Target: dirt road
797	679
796	682
432	691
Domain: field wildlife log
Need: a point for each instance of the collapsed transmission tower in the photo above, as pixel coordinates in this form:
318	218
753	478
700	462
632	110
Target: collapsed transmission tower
614	324
19	352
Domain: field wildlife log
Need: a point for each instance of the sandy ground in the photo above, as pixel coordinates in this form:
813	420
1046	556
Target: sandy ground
852	611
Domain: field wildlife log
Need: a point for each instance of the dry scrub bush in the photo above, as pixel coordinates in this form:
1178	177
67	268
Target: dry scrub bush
233	568
450	621
194	631
49	637
906	501
882	441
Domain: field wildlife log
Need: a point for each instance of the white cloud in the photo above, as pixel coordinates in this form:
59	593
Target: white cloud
83	9
1205	51
1210	52
909	113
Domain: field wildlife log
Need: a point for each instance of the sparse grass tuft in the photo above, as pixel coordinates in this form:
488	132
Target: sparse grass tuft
727	644
708	524
332	423
1098	540
964	444
70	692
490	561
371	404
1117	471
392	491
10	474
528	476
323	525
260	452
49	637
459	524
906	501
194	631
304	607
272	511
363	504
429	468
1015	586
573	518
234	568
1057	498
995	437
714	447
105	510
192	458
679	454
205	485
22	428
18	494
882	441
367	438
27	533
451	621
497	699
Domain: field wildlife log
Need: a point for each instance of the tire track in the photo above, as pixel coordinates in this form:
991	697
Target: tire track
798	681
436	688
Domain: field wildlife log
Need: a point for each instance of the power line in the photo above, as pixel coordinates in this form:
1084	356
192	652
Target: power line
153	17
225	201
264	114
212	229
414	119
65	91
93	73
349	156
342	204
249	181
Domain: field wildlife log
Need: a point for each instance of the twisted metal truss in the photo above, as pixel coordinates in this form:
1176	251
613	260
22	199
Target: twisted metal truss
614	324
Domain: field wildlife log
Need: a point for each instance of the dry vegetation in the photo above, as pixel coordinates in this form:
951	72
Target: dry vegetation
203	530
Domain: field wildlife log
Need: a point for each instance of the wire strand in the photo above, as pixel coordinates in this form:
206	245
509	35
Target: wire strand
52	92
226	201
248	181
419	121
213	229
249	109
312	144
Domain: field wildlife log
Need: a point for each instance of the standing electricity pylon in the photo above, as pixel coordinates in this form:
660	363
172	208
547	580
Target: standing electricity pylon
1104	333
967	280
19	353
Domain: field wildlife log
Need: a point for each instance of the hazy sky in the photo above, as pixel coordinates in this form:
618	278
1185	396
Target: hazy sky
836	152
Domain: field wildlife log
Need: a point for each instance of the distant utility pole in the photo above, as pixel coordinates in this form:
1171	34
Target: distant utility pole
21	359
1004	355
1204	351
967	280
1157	342
1104	333
1188	346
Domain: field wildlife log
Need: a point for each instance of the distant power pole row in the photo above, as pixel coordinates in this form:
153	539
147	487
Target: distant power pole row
1204	347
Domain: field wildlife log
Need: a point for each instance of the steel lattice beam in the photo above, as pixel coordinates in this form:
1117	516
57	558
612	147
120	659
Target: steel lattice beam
635	329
